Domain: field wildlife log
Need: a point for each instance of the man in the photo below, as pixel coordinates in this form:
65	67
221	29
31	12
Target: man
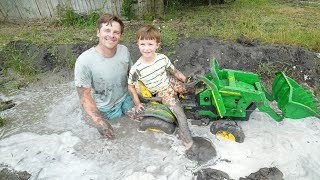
101	75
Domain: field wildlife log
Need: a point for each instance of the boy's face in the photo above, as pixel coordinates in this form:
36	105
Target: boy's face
109	34
148	47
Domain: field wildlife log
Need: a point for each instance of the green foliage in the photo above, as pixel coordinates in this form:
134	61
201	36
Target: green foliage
68	17
315	4
70	58
126	9
63	56
17	83
2	121
148	16
171	6
171	53
71	62
276	21
269	21
129	34
265	70
21	60
168	35
268	69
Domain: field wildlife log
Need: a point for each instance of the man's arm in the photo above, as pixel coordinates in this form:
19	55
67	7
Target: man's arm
91	109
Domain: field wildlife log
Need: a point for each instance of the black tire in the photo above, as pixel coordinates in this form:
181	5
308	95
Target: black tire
228	129
156	124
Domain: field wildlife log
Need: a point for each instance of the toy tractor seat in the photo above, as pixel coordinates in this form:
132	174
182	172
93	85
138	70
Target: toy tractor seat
145	95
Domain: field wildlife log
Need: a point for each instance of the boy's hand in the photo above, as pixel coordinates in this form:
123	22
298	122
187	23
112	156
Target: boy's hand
139	108
105	129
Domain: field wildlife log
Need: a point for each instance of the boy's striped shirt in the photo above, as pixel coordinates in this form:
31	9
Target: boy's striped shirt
153	75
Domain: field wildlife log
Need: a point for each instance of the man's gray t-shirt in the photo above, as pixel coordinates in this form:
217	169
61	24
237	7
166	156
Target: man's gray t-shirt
108	77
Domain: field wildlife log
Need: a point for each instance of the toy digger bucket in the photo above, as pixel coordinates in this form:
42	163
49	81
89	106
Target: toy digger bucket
294	101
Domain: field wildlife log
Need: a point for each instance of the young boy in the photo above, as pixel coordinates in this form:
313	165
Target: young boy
152	69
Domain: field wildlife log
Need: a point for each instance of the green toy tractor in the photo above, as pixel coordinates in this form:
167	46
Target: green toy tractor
227	96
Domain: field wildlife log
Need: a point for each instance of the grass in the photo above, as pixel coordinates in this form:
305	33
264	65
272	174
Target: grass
272	21
269	21
16	61
289	22
44	33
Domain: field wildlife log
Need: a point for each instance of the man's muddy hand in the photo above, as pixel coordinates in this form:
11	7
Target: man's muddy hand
105	129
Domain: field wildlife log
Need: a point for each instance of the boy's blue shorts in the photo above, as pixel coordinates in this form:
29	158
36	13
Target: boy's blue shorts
118	110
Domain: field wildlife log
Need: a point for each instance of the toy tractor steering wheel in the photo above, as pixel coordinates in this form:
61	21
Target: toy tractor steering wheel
191	81
194	78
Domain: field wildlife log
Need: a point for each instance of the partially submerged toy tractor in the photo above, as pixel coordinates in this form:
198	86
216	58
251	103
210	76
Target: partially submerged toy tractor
227	96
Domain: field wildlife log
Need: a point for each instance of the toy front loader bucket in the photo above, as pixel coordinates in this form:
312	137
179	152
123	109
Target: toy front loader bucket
294	101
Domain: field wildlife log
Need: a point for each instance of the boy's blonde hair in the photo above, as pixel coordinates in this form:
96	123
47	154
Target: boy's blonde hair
148	32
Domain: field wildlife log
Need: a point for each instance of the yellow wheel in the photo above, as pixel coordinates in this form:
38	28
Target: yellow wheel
150	123
226	135
227	129
154	129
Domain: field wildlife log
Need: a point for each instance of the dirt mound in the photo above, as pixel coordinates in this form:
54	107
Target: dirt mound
6	174
265	173
298	63
272	173
190	55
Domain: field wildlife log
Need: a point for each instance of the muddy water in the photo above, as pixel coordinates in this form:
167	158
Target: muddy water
48	136
32	109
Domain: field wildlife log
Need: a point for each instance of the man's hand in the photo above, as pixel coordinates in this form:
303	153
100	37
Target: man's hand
91	109
105	129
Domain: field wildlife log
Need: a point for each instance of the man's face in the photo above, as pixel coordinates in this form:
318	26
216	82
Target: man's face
109	34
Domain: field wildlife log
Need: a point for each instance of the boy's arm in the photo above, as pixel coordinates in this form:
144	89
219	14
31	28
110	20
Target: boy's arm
176	73
135	97
91	109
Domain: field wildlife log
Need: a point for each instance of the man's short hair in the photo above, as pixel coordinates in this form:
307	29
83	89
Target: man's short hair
108	18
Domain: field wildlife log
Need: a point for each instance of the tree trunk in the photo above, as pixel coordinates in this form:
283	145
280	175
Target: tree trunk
149	9
159	9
